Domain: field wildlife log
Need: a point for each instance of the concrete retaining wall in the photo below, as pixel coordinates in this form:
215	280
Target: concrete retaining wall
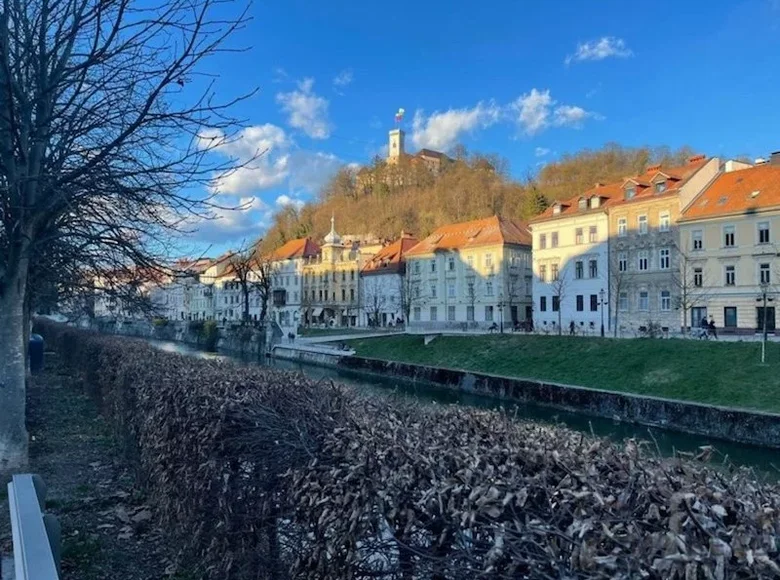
311	355
720	422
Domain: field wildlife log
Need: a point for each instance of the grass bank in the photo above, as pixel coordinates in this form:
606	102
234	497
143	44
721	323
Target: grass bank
726	373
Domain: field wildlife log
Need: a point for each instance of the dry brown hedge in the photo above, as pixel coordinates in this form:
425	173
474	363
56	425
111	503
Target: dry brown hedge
266	474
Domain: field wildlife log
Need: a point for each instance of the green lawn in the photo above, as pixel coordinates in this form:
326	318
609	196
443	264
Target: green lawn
721	373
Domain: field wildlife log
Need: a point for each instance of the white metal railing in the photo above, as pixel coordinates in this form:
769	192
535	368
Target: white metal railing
36	536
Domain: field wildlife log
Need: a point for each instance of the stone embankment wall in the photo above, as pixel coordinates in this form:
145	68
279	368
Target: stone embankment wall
739	425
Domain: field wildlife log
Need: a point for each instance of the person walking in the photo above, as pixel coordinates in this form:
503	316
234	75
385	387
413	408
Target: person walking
571	328
713	330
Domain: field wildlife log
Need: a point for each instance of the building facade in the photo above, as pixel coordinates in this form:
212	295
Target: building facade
382	284
732	232
645	249
287	287
571	263
470	275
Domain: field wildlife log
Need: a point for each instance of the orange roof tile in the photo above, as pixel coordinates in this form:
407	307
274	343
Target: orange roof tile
738	192
609	194
483	232
390	259
300	248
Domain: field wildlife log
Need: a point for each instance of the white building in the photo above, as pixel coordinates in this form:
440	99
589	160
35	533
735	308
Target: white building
287	282
571	262
382	284
470	275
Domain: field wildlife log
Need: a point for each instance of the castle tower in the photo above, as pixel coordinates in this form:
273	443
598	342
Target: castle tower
395	146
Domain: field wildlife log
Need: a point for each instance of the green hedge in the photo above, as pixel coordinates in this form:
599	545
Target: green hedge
266	474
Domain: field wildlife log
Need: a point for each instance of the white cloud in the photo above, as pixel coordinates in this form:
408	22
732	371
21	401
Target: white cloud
261	151
344	78
306	110
442	130
541	151
310	170
533	111
604	47
537	110
285	200
240	218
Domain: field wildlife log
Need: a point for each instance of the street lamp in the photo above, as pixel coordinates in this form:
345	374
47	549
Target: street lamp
763	300
602	293
501	311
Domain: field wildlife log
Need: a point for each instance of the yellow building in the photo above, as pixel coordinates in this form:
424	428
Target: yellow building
331	285
732	230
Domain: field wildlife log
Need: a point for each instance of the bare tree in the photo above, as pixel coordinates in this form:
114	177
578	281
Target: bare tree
97	140
620	280
409	289
691	284
559	287
513	286
373	299
471	295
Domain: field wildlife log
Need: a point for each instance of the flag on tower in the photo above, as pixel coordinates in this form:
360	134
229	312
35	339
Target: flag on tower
399	116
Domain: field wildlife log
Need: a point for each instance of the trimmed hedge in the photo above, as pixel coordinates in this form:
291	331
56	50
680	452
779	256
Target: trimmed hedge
267	474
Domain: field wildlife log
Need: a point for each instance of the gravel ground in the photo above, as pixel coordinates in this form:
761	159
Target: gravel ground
107	529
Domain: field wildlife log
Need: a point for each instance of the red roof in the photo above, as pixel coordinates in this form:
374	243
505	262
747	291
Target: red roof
300	248
738	192
390	259
484	232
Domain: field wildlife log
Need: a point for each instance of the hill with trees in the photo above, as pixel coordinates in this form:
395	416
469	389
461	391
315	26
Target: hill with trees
384	199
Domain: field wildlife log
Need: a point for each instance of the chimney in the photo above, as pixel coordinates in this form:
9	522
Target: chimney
696	158
653	168
774	158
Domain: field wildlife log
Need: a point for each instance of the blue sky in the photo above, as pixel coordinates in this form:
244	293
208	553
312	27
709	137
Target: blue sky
527	80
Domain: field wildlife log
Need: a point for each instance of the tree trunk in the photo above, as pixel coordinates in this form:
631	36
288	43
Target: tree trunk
13	366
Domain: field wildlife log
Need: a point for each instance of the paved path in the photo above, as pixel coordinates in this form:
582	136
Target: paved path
340	337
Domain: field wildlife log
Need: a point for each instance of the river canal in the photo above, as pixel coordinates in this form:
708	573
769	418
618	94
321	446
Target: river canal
765	461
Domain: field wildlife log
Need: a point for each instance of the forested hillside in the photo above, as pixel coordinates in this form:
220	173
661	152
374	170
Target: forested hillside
384	200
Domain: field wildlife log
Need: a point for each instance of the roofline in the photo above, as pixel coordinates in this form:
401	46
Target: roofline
560	217
740	213
480	245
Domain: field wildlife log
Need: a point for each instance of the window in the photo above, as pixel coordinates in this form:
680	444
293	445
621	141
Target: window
622	262
488	314
630	192
489	263
416	267
351	274
433	266
582	203
352	294
470	313
764	274
556	303
641	222
451	313
416	290
470	287
660	187
554	272
664	221
728	236
543	303
543	273
642	261
644	300
580	303
470	262
451	264
554	239
542	241
622	227
763	232
434	314
450	289
666	300
594	302
731	276
623	301
730	316
579	270
433	290
489	288
416	313
578	239
697	239
664	259
343	294
592	234
593	268
698	277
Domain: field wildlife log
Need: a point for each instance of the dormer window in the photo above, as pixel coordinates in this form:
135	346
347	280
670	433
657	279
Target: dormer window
630	192
660	186
583	203
556	209
595	202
